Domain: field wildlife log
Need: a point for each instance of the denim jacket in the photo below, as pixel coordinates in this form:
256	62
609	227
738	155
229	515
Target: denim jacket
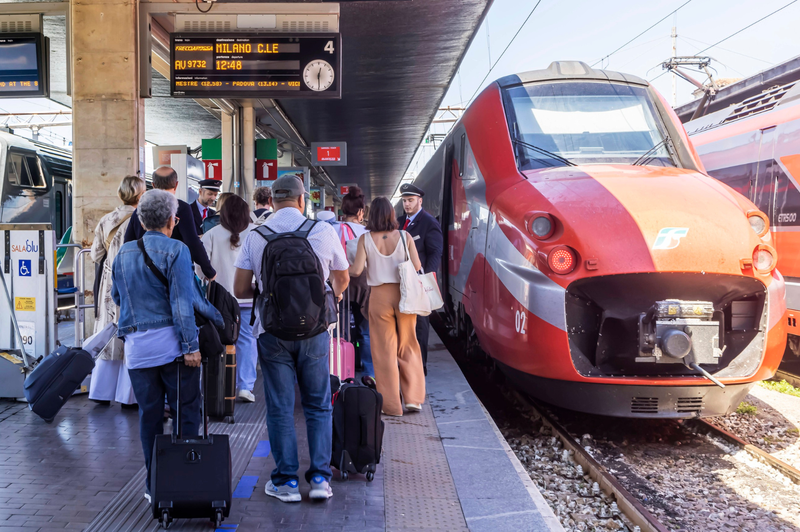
143	300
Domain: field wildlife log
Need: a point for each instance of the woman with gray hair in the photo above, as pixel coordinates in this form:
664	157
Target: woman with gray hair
157	320
110	381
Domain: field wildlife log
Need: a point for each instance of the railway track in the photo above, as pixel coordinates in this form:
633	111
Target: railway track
791	378
661	474
756	452
632	511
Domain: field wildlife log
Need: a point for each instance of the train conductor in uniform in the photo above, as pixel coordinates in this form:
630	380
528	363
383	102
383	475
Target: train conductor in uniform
201	208
427	235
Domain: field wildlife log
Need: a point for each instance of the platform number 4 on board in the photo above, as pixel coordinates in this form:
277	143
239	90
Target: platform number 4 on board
329	47
521	322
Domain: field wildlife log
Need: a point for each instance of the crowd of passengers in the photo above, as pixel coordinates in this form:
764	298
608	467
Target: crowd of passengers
194	243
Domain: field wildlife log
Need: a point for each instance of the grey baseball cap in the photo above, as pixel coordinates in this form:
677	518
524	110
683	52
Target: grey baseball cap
287	186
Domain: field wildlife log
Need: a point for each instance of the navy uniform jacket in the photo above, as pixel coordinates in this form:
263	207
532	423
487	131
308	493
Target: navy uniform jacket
427	235
184	231
198	217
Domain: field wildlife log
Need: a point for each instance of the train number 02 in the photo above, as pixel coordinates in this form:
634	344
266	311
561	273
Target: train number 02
521	322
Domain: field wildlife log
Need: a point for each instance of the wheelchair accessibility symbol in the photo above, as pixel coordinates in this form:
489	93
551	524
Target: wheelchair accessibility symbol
25	268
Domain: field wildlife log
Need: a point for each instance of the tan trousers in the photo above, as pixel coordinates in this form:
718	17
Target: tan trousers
395	350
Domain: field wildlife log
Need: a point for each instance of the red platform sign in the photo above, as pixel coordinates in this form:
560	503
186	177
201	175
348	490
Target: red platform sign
266	169
329	153
213	169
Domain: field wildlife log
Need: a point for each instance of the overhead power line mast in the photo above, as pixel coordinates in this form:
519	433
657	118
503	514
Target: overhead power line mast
674	65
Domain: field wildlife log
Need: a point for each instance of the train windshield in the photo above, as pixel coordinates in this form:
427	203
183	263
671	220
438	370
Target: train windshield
565	124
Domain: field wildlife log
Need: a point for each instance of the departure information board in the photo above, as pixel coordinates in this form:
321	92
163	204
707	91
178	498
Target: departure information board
232	65
23	65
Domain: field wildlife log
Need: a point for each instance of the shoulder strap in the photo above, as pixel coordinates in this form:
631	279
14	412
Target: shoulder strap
253	217
405	246
113	232
305	228
148	261
262	230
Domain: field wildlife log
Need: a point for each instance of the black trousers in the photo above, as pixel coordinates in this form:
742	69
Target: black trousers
423	330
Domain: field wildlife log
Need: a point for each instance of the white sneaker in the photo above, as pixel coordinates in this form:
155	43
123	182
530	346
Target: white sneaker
411	407
288	492
147	497
247	396
320	488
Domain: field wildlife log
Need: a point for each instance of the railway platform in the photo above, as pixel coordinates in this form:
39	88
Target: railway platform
446	468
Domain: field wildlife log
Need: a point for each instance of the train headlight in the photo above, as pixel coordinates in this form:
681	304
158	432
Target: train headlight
764	259
562	260
541	226
759	222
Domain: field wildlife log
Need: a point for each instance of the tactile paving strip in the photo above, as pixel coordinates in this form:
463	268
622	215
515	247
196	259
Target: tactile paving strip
418	485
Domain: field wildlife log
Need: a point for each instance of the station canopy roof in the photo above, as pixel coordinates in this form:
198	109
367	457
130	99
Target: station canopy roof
399	58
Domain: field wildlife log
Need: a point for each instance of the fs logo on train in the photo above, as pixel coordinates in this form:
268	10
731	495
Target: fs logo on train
670	237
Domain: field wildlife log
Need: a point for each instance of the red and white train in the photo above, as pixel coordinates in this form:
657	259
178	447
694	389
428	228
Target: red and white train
593	258
753	146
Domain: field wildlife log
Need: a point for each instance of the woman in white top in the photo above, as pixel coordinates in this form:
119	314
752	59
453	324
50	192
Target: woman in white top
395	351
223	244
110	380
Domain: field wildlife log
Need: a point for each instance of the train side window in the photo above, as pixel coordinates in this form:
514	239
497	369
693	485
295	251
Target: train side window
25	171
461	157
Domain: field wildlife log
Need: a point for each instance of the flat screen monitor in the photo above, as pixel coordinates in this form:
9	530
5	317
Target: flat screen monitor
23	65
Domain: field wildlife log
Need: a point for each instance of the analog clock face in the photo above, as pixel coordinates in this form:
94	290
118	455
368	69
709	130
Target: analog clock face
318	75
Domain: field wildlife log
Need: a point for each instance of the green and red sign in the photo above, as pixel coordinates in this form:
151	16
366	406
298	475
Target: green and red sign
267	159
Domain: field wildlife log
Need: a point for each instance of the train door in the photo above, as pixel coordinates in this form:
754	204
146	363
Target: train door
62	207
785	221
762	189
446	221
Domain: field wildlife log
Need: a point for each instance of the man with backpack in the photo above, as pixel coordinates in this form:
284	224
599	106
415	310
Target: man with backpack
291	258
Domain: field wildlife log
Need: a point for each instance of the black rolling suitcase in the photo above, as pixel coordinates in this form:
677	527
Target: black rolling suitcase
357	430
190	477
55	379
221	384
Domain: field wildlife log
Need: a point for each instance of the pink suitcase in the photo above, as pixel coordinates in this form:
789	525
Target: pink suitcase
343	354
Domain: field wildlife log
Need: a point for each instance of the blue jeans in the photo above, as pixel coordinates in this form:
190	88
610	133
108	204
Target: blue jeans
149	386
362	337
281	362
246	353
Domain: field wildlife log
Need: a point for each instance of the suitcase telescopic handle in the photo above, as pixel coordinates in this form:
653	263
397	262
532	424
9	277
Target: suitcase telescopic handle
180	361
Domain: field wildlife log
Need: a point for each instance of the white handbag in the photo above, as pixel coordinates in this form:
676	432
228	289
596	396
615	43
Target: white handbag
413	299
432	290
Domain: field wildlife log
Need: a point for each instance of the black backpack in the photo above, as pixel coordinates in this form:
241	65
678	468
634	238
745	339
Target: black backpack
228	307
357	429
293	303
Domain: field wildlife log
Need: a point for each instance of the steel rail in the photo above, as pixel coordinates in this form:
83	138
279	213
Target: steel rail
628	505
755	451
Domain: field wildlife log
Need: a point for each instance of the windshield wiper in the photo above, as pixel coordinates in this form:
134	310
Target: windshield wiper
646	156
567	162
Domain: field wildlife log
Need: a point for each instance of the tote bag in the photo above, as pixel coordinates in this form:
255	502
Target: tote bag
413	299
432	290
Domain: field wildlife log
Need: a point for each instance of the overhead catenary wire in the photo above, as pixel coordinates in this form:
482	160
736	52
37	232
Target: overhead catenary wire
505	49
734	34
642	33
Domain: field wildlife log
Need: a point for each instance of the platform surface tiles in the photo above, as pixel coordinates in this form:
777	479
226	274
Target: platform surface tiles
446	469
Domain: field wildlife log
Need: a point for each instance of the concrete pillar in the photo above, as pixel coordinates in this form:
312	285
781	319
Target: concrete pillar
248	150
227	152
107	113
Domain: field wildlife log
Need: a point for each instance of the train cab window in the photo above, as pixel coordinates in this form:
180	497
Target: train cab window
59	214
574	123
25	171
